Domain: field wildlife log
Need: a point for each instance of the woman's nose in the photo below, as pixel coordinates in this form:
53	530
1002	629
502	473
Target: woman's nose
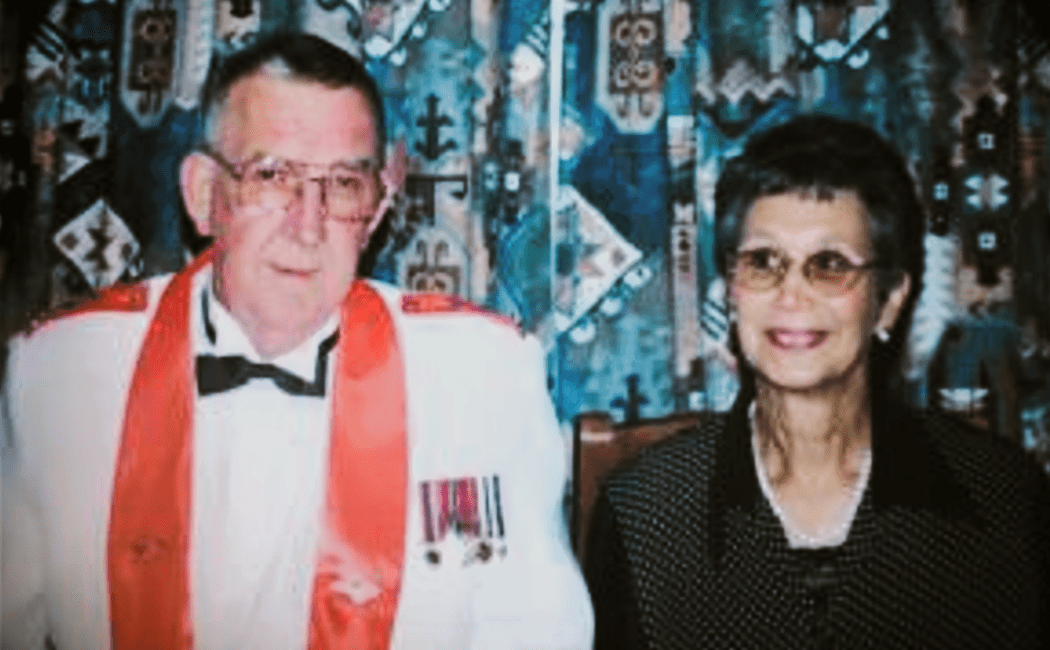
794	287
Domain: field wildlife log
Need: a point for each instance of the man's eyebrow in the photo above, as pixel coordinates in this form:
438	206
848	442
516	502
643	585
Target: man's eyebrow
361	161
256	157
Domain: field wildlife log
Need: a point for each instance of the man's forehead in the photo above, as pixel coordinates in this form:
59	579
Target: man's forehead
268	90
272	106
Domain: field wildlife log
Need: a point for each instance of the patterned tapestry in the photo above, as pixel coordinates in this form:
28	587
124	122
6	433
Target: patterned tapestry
562	156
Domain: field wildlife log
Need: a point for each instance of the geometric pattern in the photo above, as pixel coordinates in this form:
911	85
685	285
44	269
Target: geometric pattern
655	95
99	243
149	58
936	307
630	59
603	256
832	31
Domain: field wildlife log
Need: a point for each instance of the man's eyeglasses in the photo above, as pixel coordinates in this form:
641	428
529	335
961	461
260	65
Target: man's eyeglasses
348	190
828	271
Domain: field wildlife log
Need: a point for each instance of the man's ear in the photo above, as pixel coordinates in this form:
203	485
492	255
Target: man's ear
377	218
392	179
891	309
197	180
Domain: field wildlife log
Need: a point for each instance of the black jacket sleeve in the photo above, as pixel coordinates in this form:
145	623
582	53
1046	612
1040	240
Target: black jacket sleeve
1042	542
617	625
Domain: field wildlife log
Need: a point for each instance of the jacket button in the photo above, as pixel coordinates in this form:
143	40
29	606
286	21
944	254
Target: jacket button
820	578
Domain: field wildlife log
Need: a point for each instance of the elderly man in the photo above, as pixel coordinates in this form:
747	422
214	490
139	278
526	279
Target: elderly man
265	452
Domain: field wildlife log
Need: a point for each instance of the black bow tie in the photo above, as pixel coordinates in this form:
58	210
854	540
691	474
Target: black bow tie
218	374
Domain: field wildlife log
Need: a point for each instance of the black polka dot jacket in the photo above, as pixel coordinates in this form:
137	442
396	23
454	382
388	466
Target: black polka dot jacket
950	548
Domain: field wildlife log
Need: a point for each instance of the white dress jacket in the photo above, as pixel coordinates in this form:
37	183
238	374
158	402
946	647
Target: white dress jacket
480	422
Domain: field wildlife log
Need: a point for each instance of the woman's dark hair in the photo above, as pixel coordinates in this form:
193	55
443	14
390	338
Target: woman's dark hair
302	57
818	155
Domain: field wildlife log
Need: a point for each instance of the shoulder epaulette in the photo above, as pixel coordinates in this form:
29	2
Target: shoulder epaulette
118	298
441	303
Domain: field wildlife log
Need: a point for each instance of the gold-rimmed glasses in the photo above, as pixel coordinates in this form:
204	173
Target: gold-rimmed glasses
830	272
349	189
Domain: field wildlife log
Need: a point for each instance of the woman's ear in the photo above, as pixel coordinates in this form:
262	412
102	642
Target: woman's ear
197	179
891	309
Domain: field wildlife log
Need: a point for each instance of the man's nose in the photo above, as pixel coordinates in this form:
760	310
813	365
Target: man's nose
308	213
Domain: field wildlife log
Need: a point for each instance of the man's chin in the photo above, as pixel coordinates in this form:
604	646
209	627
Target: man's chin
296	311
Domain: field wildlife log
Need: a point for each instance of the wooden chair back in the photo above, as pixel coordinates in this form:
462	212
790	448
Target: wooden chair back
600	446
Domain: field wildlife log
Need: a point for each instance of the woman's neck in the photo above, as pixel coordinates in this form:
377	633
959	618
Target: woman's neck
813	437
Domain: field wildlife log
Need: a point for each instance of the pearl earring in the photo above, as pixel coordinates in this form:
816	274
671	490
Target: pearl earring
882	335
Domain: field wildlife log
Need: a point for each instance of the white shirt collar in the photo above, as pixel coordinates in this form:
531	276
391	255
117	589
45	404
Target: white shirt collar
230	338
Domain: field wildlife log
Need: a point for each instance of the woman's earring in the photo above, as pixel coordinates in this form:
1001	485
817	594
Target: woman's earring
882	335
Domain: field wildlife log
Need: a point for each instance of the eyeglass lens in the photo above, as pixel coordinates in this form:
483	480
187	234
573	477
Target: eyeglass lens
828	271
348	190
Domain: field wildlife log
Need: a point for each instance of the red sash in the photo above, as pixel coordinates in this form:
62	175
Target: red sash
150	519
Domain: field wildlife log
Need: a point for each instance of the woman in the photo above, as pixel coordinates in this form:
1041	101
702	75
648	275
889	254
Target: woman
819	512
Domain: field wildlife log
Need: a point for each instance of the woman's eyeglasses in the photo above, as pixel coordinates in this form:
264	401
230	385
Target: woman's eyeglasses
828	271
348	190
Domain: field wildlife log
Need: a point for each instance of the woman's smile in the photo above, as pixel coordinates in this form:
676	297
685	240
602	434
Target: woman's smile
796	339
